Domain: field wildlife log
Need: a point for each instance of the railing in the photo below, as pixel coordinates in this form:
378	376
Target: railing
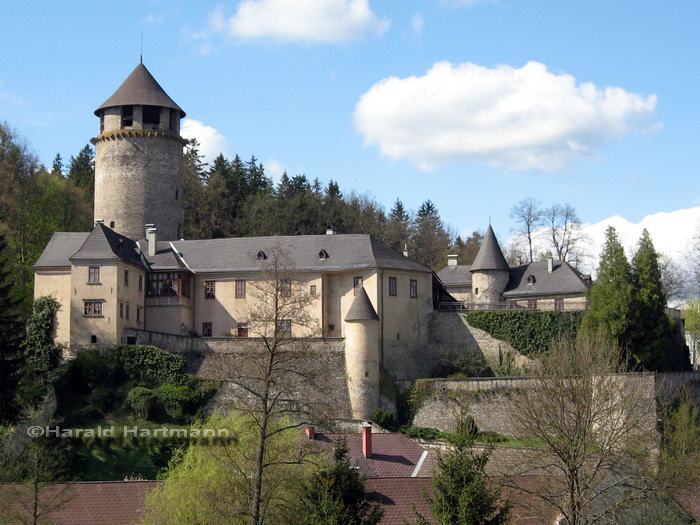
538	305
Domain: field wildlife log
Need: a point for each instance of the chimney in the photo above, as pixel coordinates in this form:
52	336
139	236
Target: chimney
405	249
452	260
330	230
151	237
310	432
367	441
550	264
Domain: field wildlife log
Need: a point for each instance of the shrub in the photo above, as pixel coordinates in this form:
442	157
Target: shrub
97	369
529	332
422	432
384	419
150	364
466	426
141	401
102	399
492	437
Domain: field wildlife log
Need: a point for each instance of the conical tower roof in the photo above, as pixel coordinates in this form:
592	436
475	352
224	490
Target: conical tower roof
361	308
490	256
141	89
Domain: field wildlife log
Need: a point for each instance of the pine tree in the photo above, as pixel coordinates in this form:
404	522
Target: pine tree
430	241
612	293
57	166
462	495
336	496
651	341
10	339
81	171
398	227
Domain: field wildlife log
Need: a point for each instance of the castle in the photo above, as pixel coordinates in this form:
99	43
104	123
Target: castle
134	273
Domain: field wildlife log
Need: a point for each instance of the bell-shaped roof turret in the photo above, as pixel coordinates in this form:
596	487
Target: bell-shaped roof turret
140	89
490	256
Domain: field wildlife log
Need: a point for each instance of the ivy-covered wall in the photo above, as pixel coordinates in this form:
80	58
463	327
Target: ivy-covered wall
528	332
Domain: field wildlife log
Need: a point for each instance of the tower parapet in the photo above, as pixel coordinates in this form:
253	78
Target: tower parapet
138	159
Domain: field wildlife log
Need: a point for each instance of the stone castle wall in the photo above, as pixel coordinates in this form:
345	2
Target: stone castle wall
138	181
489	399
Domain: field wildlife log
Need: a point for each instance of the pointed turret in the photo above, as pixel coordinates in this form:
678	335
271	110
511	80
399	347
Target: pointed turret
140	89
490	256
361	308
490	271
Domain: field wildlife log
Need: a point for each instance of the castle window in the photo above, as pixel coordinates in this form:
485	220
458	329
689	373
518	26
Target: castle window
356	284
323	254
121	310
173	119
242	329
312	290
261	256
331	327
92	308
163	284
414	288
286	288
240	289
93	339
126	277
138	314
206	329
151	117
94	275
476	291
127	311
558	303
177	195
111	224
392	286
209	289
102	122
284	327
140	283
127	116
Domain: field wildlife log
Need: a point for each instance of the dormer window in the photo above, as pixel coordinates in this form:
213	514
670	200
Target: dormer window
261	256
127	116
530	279
323	254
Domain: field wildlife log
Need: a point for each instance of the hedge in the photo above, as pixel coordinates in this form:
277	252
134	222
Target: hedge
529	332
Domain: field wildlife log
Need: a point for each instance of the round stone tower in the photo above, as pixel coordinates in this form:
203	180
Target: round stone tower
362	356
490	271
138	159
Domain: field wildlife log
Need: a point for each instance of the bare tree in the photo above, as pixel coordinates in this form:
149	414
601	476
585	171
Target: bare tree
597	430
565	233
280	381
673	278
528	217
693	254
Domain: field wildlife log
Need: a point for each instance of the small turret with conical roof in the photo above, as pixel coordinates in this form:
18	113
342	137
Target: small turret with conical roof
362	355
490	271
138	159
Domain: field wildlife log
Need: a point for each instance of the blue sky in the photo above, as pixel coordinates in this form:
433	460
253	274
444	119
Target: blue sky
302	85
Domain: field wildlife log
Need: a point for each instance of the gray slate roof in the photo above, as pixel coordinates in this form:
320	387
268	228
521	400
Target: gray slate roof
103	243
361	308
345	252
59	249
140	88
459	275
564	279
490	256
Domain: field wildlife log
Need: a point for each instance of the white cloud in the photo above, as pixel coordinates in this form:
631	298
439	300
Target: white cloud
519	118
153	18
327	21
273	170
211	141
671	232
417	23
460	3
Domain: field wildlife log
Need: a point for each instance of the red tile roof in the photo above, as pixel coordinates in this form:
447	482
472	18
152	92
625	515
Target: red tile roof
92	503
393	455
